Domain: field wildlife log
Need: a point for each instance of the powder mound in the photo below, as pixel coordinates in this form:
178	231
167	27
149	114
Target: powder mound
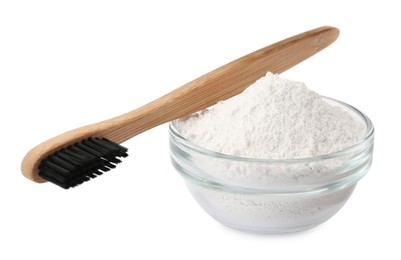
274	118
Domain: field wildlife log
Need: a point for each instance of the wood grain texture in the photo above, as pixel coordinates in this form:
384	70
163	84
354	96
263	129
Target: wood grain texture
220	84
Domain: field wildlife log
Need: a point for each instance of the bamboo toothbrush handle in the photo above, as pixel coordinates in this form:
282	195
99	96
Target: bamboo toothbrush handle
220	84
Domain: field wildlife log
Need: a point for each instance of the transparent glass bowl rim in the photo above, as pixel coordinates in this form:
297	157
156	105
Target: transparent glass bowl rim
369	134
340	183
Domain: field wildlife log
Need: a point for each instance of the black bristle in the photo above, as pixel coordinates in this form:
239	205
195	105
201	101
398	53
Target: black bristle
81	161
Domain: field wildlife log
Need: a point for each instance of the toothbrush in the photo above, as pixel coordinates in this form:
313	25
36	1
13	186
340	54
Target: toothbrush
79	155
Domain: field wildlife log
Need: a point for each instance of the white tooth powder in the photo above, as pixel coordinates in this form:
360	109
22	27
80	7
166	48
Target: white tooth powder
274	118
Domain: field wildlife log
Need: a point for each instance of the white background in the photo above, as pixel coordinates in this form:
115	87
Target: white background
64	64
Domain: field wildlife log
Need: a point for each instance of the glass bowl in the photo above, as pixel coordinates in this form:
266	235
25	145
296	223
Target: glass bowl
272	196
